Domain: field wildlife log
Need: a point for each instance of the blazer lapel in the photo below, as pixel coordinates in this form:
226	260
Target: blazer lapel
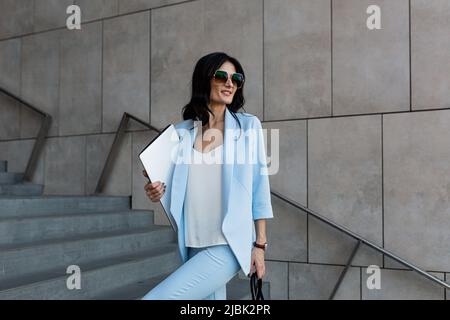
229	157
180	174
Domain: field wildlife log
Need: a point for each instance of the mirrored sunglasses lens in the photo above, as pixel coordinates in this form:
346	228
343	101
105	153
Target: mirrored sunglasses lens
238	79
221	75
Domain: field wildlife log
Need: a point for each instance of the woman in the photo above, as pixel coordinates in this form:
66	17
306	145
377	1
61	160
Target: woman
217	204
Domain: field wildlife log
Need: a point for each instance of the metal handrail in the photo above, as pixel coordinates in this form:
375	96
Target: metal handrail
112	152
361	240
119	134
40	140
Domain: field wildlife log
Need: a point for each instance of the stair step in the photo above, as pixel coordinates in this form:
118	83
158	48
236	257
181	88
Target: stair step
3	166
42	205
10	177
97	278
133	291
22	189
17	261
22	230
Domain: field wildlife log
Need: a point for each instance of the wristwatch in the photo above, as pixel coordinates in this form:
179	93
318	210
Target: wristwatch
261	246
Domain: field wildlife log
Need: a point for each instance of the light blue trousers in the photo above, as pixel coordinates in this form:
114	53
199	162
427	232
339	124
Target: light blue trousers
203	276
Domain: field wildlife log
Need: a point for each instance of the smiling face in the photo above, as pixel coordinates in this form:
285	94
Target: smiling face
223	93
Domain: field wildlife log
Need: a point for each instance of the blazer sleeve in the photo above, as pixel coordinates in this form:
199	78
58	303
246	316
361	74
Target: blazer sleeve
261	197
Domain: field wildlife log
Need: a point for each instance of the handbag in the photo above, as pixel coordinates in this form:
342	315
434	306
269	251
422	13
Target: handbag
256	287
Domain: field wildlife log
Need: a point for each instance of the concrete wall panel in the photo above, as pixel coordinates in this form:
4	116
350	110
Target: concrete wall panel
370	67
297	59
430	54
126	66
417	187
80	97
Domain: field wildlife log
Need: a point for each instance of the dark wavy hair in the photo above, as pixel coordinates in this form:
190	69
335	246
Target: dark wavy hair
197	108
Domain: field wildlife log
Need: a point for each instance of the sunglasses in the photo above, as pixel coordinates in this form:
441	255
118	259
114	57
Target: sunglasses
236	78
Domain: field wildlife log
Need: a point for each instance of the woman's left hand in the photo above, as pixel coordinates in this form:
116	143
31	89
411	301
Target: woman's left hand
258	263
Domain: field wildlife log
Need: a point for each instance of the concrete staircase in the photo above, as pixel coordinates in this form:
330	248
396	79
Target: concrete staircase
120	252
12	184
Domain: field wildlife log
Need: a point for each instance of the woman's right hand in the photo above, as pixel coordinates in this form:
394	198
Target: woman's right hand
154	190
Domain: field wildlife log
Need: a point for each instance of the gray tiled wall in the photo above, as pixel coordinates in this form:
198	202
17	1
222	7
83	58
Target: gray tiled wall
118	180
345	182
17	17
180	34
50	14
80	96
10	80
136	5
40	80
126	66
297	59
314	71
430	45
417	187
64	165
97	9
402	285
287	233
16	152
316	282
370	67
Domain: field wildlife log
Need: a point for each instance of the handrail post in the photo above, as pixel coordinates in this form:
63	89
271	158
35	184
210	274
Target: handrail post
40	140
37	148
344	272
119	133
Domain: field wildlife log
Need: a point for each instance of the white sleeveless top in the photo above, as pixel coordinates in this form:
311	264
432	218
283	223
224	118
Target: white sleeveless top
203	214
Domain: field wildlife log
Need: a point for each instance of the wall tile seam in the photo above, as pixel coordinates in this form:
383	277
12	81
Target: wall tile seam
354	115
410	60
33	16
150	66
307	189
445	291
131	169
44	29
266	121
331	57
78	135
360	283
20	84
143	11
84	141
382	187
44	160
85	166
21	93
102	75
94	20
341	116
59	36
263	62
288	277
361	270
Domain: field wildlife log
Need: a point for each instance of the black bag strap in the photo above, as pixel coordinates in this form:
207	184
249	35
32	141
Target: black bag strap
256	287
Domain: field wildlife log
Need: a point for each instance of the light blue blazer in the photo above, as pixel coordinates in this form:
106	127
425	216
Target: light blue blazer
245	184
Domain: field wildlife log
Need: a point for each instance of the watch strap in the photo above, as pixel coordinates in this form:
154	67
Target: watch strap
260	246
